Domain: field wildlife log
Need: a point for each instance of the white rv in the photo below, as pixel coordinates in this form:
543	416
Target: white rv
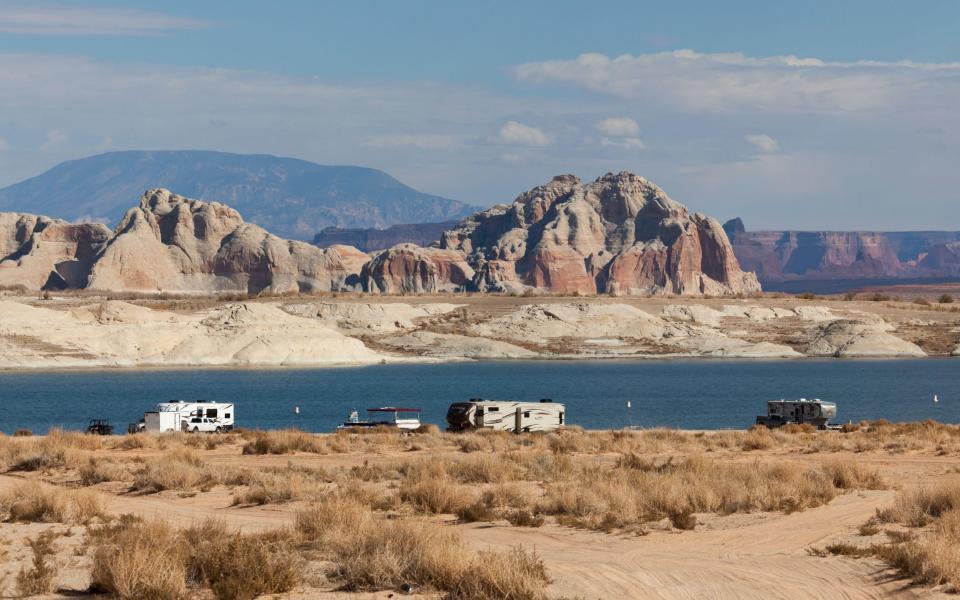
517	417
189	416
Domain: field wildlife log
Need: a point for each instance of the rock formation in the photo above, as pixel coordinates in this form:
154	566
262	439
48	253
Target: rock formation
410	269
168	243
41	253
619	234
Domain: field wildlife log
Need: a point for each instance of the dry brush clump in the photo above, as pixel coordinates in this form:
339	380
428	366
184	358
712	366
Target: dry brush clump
928	551
640	490
371	553
34	502
135	560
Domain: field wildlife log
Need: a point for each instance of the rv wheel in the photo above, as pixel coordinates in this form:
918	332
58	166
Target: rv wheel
219	429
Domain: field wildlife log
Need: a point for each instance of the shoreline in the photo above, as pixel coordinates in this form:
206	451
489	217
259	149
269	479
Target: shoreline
411	361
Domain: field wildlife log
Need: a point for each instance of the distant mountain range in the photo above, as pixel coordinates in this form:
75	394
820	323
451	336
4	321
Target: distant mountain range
782	259
291	198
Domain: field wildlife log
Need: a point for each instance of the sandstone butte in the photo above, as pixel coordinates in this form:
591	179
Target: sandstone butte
619	234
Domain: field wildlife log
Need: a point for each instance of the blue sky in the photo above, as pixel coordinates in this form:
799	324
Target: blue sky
802	115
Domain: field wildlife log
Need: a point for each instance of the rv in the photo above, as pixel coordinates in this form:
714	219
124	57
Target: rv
785	412
518	417
189	416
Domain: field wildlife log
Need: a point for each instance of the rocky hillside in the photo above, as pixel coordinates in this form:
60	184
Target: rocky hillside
777	256
291	198
619	234
371	239
167	243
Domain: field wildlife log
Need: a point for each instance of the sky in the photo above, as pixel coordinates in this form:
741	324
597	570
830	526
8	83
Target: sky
812	115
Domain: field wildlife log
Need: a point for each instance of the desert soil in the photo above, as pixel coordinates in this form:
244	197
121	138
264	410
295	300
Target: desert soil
758	555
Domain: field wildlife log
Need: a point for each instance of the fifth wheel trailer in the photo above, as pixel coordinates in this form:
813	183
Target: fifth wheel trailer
180	415
517	417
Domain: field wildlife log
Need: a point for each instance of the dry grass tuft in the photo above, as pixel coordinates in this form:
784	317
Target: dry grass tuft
140	560
284	441
370	553
38	579
242	567
33	502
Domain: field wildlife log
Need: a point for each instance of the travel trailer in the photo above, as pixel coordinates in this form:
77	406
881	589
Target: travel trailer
518	417
189	416
385	416
784	412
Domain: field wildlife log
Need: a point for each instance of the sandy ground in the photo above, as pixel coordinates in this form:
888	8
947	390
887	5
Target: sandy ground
760	555
82	331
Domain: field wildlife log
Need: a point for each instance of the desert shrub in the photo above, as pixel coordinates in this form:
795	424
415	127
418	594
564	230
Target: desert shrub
33	502
515	575
525	518
23	432
98	470
371	554
38	579
945	299
758	437
242	566
140	561
918	507
177	470
435	495
476	511
283	441
921	301
639	491
848	474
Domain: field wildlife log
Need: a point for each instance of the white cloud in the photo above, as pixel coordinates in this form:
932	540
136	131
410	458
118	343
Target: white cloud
55	138
18	16
523	135
4	145
618	127
763	142
688	81
627	143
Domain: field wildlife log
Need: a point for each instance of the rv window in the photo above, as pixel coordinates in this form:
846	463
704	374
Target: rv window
526	415
493	409
211	413
226	415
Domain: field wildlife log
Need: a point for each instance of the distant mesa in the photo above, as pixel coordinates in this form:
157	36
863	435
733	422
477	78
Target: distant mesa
787	256
619	234
289	197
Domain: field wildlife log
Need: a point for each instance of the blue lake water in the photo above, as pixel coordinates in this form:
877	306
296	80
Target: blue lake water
698	394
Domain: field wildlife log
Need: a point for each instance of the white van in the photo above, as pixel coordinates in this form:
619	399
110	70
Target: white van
517	417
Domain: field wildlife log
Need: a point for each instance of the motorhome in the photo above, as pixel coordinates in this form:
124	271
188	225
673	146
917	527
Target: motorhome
785	412
183	416
518	417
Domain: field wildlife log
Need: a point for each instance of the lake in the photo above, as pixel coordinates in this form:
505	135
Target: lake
691	394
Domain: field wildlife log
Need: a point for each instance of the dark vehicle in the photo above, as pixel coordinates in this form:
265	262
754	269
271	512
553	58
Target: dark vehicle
100	427
138	427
